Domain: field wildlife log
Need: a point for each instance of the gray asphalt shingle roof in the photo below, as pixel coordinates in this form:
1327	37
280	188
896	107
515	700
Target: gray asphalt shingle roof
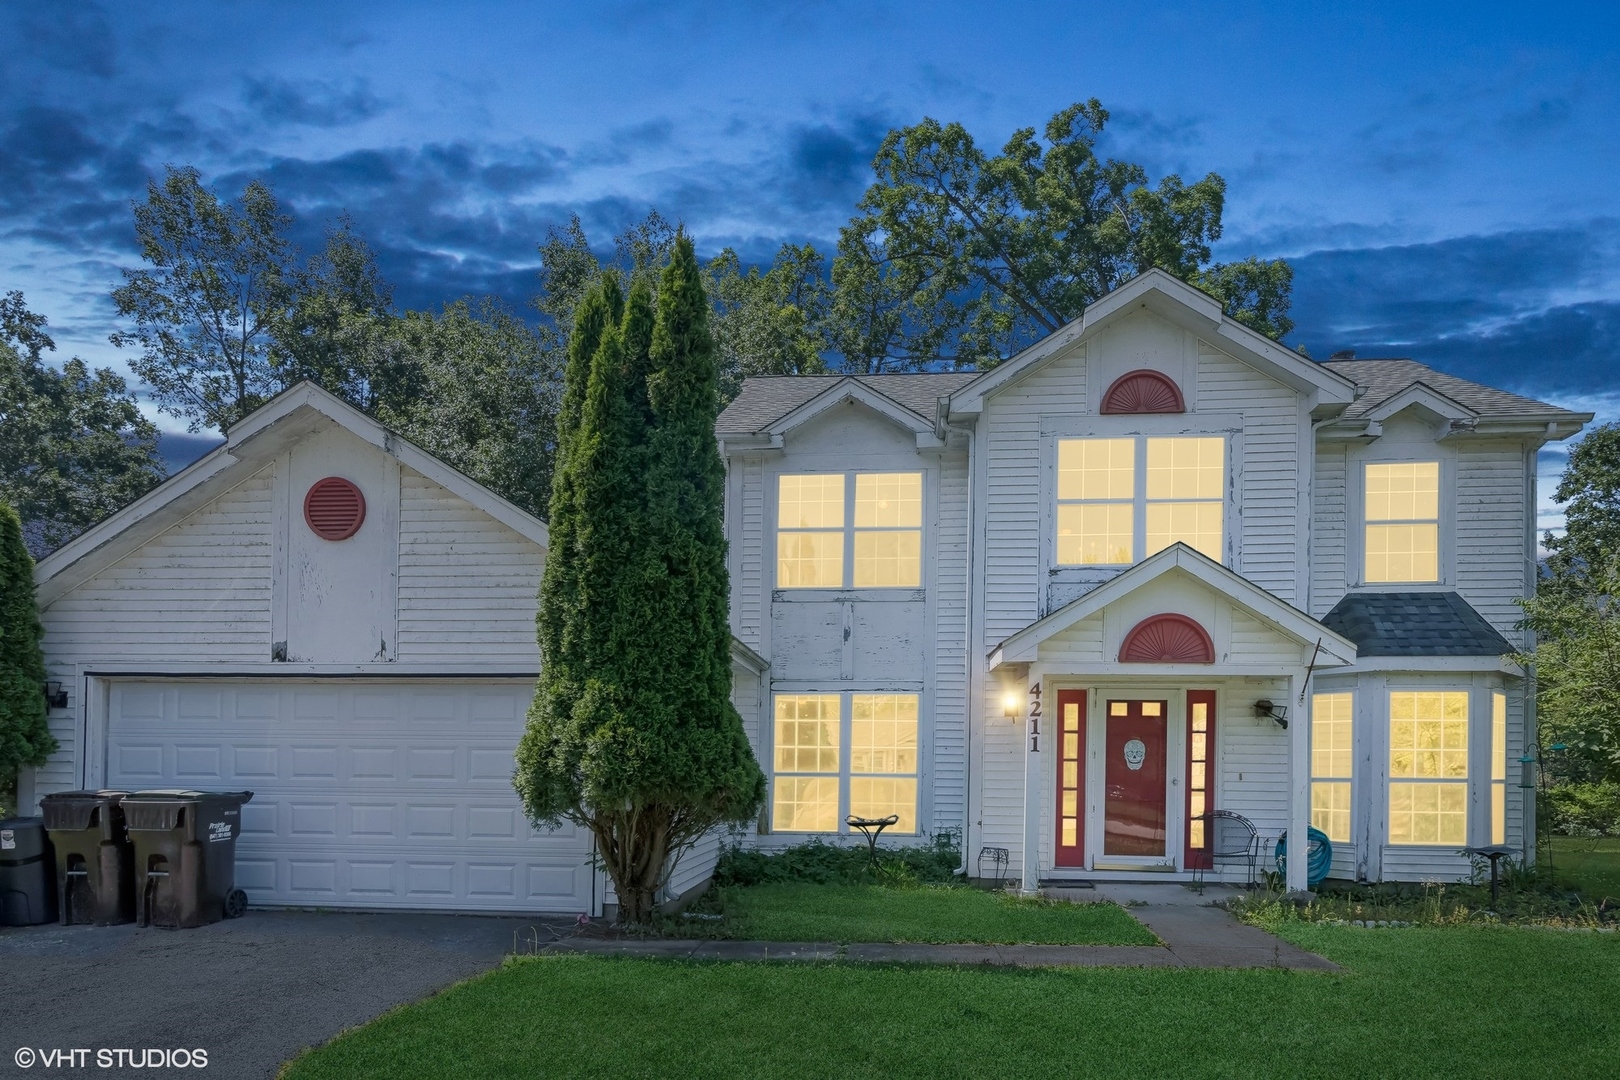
1386	378
1414	624
764	399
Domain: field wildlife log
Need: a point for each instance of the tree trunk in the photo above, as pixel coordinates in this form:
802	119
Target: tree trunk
634	847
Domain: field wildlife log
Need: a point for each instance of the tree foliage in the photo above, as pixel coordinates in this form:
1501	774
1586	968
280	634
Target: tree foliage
1577	663
632	733
958	256
768	323
1590	486
218	281
25	736
74	447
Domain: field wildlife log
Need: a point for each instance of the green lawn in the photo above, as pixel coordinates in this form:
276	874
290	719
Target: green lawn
1590	866
806	912
1491	1002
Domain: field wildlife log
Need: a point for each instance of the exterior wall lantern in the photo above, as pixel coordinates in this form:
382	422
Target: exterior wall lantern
55	696
1010	703
1265	710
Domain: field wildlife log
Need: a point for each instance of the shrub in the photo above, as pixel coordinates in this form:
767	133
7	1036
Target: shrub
1589	809
822	863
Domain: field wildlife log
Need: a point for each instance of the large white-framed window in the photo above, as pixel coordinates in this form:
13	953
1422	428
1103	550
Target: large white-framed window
1498	767
849	530
1401	527
1332	726
840	755
1119	500
1428	767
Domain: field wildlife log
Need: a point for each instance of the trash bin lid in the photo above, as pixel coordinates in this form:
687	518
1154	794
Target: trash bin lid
71	811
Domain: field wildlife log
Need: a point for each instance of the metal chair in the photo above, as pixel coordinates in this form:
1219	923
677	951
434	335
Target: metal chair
1233	838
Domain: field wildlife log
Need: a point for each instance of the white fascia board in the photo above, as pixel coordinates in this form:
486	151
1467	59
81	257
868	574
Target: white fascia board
1024	646
747	657
1502	665
848	389
1422	396
249	445
1186	306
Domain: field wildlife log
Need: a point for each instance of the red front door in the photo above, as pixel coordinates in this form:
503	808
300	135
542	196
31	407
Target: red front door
1134	779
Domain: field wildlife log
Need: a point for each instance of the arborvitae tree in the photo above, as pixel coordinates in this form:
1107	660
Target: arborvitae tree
25	737
632	733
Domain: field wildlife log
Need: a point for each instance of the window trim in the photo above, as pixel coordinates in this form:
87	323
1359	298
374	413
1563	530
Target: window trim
773	514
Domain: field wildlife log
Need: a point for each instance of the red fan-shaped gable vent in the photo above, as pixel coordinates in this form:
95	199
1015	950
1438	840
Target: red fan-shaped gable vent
1143	392
334	509
1167	639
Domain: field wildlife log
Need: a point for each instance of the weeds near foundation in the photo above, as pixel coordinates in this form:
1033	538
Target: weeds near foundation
1525	900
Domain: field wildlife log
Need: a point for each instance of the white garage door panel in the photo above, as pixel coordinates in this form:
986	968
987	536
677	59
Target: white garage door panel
370	795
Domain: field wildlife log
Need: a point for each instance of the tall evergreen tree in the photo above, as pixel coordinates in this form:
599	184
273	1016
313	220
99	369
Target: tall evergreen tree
25	737
632	733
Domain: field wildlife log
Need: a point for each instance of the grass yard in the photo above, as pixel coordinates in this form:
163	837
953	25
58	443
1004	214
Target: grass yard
797	911
1590	866
1489	1002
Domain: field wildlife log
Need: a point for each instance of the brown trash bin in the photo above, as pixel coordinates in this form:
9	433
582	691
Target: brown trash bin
95	862
185	856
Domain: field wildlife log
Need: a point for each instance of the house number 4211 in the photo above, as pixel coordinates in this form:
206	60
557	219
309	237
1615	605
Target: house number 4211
1035	718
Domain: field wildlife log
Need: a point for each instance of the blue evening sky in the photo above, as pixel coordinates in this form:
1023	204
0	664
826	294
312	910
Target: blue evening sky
1442	176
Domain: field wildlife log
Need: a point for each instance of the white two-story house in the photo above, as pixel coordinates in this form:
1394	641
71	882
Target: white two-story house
1154	566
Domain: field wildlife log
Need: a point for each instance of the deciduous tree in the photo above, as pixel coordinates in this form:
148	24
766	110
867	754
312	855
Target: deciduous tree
74	446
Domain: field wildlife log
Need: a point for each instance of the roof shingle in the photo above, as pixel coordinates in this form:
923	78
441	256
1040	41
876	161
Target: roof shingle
765	399
1414	624
1384	379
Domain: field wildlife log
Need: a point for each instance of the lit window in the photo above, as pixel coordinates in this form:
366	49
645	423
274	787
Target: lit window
1498	768
1331	739
874	776
888	530
811	520
1110	512
806	787
1403	522
1428	767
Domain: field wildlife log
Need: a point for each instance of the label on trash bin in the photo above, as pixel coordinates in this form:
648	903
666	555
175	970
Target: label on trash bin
8	840
218	830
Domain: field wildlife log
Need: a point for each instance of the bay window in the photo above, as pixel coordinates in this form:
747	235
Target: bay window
1428	767
1331	762
1498	767
1121	500
838	755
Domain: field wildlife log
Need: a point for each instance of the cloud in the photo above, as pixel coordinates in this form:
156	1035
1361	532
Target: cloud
310	102
1532	310
69	35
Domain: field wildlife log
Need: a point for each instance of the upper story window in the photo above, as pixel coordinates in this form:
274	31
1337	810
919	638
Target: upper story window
816	547
1121	500
1402	502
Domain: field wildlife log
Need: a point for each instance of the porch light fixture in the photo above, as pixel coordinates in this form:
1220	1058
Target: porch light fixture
55	696
1009	705
1267	711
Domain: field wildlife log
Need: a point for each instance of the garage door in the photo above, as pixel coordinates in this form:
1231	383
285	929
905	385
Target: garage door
366	794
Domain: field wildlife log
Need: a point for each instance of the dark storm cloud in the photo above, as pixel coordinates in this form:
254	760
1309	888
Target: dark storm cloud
68	35
831	163
1503	308
311	102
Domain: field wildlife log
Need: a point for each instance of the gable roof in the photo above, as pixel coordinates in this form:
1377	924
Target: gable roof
1415	624
765	399
249	445
1386	379
1337	649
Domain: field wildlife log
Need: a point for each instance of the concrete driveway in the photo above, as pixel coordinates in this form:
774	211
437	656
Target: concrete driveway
252	992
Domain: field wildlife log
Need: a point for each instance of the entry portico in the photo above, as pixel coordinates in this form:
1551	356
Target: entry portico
1160	668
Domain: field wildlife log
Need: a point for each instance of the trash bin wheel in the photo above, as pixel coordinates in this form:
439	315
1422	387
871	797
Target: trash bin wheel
235	904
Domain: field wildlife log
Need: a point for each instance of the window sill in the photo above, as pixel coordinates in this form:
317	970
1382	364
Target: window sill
833	596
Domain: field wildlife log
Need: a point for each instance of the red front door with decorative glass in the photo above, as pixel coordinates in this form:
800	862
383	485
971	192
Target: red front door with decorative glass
1135	747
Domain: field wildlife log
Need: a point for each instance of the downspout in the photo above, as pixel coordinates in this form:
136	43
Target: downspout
942	415
1529	849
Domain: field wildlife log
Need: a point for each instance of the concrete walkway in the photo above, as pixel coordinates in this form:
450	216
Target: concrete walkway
1192	932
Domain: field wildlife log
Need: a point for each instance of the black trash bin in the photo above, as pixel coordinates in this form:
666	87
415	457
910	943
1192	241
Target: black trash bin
27	873
95	862
185	856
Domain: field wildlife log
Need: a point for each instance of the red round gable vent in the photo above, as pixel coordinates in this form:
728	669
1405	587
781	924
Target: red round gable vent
1167	639
1143	391
334	509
